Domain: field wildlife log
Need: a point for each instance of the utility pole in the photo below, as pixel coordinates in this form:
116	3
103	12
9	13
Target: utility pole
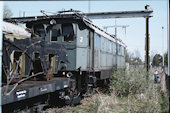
147	43
147	59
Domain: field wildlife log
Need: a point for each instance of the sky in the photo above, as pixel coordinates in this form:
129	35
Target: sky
134	37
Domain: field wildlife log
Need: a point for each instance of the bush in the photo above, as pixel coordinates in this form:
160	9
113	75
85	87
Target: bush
142	95
130	82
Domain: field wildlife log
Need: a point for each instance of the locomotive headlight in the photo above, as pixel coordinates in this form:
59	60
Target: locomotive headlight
52	22
69	74
63	73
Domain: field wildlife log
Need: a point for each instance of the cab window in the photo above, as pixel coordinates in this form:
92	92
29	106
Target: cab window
54	34
39	30
68	31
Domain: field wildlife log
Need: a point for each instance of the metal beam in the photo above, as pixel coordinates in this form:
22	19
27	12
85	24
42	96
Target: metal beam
120	14
99	15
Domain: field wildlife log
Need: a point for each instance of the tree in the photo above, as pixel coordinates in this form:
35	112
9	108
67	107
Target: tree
133	59
152	54
137	54
7	13
157	60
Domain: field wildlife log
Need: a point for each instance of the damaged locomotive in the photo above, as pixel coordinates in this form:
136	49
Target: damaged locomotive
64	55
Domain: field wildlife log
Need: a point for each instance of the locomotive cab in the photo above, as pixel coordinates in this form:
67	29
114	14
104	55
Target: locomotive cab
72	34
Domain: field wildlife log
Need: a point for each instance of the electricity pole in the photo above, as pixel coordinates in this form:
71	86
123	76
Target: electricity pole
116	26
147	59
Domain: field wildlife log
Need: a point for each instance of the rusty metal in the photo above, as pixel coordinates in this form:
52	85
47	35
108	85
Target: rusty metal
49	76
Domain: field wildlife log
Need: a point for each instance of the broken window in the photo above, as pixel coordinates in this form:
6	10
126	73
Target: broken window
68	32
17	63
39	30
53	62
55	33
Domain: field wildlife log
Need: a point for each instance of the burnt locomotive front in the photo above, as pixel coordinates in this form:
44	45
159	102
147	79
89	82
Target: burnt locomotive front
30	55
30	70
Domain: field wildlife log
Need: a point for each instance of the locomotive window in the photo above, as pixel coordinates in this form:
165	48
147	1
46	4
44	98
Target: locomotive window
89	39
110	46
55	33
114	48
67	31
103	44
36	55
107	45
119	50
123	51
39	30
97	42
17	62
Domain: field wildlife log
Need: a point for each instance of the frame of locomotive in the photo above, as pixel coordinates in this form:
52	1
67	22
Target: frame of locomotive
85	58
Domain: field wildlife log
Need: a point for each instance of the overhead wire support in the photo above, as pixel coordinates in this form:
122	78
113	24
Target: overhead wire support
115	26
43	12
